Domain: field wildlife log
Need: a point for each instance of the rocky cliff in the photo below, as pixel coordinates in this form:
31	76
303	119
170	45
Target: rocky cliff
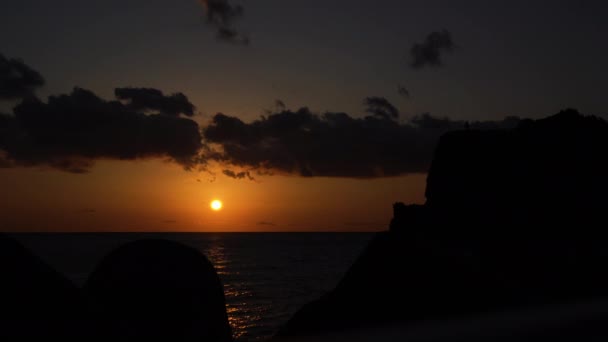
513	219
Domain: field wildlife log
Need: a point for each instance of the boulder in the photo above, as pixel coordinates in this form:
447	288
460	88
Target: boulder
36	302
157	290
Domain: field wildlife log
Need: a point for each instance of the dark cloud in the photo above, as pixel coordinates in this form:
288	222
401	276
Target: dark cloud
279	104
232	36
148	99
428	122
429	53
17	80
221	12
381	107
70	132
221	15
332	144
239	175
403	91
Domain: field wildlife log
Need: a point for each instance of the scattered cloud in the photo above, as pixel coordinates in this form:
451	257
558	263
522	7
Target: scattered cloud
332	144
17	80
70	132
429	53
221	15
232	36
148	99
279	104
239	175
381	107
403	91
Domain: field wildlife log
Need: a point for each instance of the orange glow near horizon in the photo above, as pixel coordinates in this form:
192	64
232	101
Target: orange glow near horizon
165	198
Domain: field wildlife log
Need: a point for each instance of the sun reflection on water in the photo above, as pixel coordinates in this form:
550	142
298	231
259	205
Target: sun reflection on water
268	277
244	311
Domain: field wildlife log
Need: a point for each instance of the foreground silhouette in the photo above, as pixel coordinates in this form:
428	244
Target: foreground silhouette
510	239
149	290
157	289
36	301
514	220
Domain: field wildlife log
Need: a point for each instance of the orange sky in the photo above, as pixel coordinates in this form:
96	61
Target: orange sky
499	67
157	196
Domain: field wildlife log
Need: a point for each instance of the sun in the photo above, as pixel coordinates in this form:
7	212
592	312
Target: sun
216	205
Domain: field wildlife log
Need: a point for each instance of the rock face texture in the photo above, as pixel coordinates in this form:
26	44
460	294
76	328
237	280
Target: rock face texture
157	290
513	219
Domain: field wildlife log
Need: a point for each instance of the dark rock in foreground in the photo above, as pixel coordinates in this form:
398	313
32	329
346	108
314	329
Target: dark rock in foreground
513	220
36	302
149	290
156	290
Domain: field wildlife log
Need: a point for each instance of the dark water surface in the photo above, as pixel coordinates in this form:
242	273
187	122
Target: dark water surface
267	277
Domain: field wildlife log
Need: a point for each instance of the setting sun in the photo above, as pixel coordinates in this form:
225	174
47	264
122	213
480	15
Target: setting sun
216	205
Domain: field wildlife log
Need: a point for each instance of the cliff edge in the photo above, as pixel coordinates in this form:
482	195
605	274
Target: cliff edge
513	220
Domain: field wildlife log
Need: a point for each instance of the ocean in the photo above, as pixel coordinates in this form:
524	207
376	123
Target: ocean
267	277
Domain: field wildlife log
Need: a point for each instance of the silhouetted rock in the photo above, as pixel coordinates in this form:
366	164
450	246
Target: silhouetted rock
157	290
543	174
408	216
36	302
513	220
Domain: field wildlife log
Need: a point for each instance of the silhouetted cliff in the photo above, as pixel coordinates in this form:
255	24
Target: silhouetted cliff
535	177
513	219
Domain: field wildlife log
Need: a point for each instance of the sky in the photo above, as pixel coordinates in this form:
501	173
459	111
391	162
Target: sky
392	74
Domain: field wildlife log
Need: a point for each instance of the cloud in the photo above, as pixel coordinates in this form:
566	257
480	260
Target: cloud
232	36
239	175
221	15
403	91
148	99
17	80
70	132
429	53
380	107
279	104
333	144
